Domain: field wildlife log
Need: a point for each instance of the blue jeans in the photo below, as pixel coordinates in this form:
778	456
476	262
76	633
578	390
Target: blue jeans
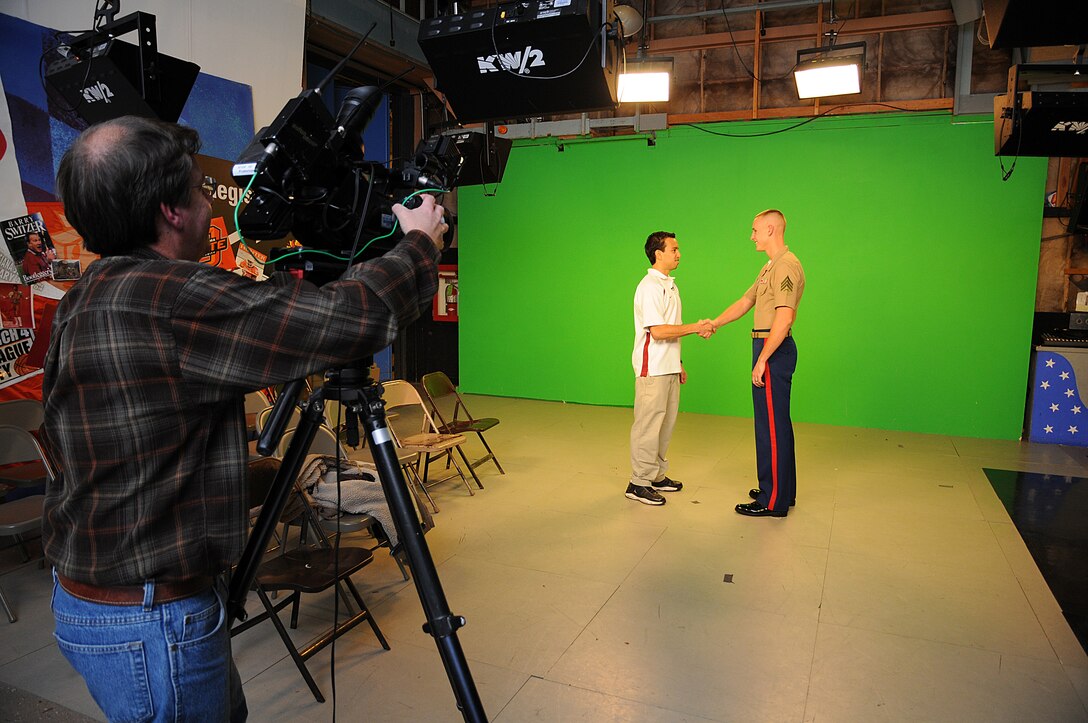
144	662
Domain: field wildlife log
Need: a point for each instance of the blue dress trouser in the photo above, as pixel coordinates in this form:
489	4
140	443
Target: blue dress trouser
776	465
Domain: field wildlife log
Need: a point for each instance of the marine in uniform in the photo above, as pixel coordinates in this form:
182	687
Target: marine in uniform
775	296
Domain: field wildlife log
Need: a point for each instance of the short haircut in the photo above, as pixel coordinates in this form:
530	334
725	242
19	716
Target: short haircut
117	173
656	242
774	212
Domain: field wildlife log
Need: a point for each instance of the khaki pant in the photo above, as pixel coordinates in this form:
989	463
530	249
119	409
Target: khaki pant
656	402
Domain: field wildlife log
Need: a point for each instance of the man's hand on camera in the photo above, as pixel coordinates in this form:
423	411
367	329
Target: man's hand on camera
427	217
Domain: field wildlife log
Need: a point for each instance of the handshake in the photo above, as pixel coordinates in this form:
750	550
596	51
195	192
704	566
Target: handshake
705	328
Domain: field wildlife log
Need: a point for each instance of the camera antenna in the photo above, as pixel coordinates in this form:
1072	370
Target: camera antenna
390	82
343	61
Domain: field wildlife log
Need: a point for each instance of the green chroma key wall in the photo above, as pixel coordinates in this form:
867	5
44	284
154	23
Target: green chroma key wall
921	267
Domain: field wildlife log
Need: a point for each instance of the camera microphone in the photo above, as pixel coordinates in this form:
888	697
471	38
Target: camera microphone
357	110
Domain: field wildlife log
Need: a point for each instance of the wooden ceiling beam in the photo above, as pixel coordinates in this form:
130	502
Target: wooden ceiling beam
852	27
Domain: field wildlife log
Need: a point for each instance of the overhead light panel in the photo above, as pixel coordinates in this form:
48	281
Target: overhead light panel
645	80
829	70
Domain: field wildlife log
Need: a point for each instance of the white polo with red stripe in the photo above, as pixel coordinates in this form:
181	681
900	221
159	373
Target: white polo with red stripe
657	301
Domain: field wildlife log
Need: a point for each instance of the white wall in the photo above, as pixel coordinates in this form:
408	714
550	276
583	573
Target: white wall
257	42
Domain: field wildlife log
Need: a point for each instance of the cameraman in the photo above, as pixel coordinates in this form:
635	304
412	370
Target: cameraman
150	358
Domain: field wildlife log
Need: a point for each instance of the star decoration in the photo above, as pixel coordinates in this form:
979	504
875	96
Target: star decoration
1049	363
1053	407
1075	409
1072	430
1045	385
1068	392
1064	376
1048	429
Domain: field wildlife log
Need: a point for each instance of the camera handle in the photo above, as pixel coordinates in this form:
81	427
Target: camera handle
363	398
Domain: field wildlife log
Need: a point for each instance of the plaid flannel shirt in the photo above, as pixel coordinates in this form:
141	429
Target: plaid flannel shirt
148	365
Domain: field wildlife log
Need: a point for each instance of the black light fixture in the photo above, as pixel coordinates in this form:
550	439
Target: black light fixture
100	77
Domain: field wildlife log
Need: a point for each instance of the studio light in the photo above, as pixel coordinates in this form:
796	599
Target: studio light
630	20
645	80
829	70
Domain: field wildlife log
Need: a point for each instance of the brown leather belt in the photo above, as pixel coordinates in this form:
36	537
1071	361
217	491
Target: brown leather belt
764	333
134	594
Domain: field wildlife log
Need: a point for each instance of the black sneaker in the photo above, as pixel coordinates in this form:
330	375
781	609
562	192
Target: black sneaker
645	495
668	485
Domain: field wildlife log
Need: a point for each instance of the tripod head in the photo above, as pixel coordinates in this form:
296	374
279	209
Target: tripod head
347	385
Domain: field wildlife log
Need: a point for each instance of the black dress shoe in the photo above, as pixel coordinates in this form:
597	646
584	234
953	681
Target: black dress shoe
754	494
754	509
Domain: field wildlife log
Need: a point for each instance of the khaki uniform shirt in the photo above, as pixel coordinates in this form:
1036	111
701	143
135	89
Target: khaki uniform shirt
780	283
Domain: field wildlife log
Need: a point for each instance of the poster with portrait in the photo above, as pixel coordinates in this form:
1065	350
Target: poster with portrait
30	247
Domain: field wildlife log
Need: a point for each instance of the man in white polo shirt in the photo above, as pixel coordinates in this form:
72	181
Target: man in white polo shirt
658	370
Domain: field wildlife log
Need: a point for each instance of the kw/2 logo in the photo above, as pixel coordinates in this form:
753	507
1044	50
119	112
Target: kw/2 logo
1079	128
519	61
97	92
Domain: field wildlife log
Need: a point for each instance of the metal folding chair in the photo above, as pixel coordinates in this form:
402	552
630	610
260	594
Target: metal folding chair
453	416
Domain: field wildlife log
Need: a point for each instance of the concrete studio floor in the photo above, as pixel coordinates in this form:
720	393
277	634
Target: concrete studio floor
897	590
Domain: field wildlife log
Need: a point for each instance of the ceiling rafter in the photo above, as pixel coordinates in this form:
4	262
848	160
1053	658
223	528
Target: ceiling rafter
854	26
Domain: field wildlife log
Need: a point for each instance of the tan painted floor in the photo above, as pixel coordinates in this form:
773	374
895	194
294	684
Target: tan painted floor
897	590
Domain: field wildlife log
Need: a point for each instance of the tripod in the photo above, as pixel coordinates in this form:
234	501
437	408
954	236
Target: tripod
362	397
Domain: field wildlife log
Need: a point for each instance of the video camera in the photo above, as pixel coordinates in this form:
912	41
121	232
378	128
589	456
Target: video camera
308	177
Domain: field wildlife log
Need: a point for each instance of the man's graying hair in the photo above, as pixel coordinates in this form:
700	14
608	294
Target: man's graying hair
117	173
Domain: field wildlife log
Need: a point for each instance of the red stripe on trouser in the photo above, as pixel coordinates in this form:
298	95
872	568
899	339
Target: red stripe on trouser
646	356
774	441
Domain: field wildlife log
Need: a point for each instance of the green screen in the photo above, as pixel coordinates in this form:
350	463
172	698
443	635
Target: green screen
920	262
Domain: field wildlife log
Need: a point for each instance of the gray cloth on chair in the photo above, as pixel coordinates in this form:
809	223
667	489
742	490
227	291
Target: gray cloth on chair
360	490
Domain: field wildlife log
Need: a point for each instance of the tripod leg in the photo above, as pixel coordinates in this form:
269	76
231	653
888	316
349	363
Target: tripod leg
441	623
246	571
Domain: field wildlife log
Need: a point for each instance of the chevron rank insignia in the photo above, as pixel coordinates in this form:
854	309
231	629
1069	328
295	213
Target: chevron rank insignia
787	284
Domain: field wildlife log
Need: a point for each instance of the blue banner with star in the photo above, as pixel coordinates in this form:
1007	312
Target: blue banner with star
1057	412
